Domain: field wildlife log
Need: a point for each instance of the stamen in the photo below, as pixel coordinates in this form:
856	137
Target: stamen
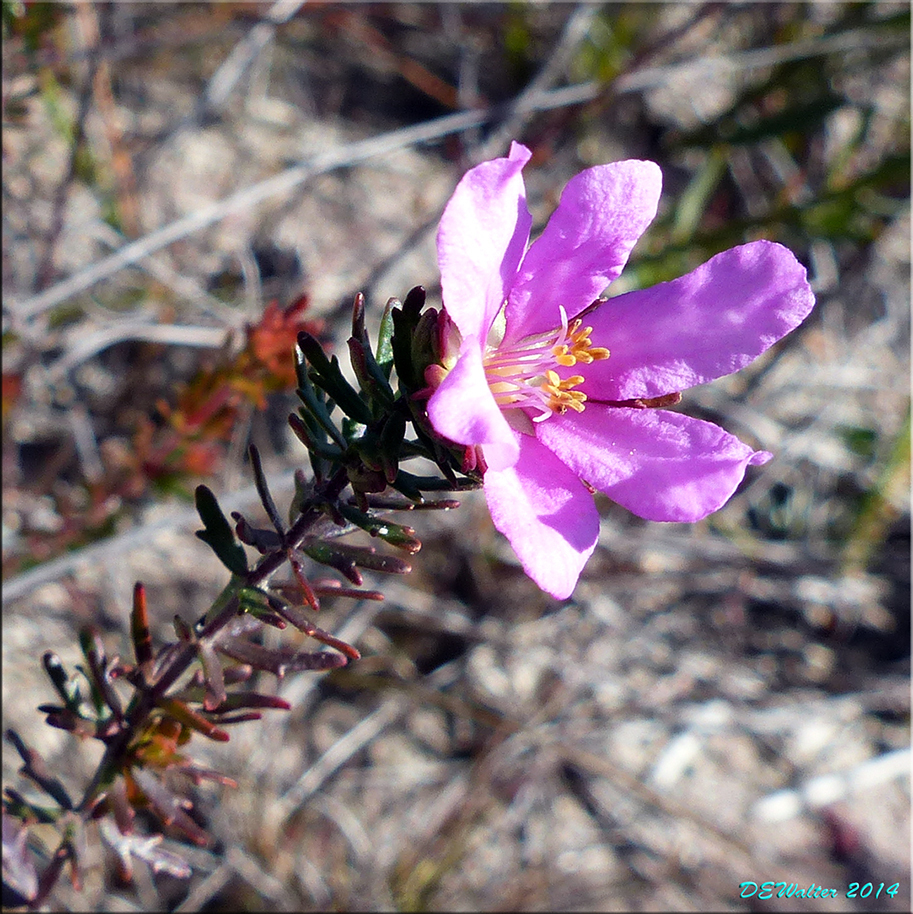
523	375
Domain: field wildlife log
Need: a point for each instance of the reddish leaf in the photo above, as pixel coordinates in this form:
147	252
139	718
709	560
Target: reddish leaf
189	718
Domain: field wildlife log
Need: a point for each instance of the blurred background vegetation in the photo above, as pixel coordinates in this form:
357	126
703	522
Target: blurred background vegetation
187	185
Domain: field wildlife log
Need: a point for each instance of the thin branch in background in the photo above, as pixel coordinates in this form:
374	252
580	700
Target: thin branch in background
821	792
353	741
519	110
157	267
242	57
122	543
125	188
346	155
86	443
513	120
86	345
230	73
44	275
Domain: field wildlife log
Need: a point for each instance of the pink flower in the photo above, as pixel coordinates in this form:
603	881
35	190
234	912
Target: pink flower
551	391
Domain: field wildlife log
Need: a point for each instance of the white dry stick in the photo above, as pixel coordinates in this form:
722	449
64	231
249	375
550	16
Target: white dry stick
245	53
363	733
525	103
348	154
828	788
140	536
683	748
174	334
157	268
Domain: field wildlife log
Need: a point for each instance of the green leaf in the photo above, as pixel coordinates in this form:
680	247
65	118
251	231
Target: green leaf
391	440
394	534
345	395
258	604
328	555
405	320
319	411
218	534
372	380
384	335
401	343
327	375
408	482
425	346
64	685
263	490
311	440
303	492
375	561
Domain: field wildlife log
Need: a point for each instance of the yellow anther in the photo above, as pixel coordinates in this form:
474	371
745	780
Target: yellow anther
561	397
576	333
566	400
563	357
580	349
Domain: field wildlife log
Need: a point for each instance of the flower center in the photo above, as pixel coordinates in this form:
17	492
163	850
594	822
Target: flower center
523	374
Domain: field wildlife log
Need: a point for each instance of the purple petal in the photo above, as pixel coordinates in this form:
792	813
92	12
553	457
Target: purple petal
464	410
480	243
709	323
547	514
658	464
602	213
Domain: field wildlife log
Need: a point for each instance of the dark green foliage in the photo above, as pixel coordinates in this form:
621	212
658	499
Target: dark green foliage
217	533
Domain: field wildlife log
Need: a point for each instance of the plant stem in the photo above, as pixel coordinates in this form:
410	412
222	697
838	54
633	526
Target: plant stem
224	608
